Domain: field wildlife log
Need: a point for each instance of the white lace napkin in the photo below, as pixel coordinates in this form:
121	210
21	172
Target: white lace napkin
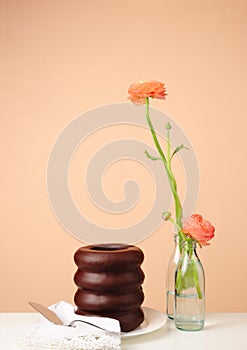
47	336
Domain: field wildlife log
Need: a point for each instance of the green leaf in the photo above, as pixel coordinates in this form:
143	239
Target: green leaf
186	275
178	149
151	157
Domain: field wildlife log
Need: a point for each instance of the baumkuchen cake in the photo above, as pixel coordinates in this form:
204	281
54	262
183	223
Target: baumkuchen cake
109	280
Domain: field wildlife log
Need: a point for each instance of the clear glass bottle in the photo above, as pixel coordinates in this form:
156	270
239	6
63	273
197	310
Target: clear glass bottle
189	313
170	279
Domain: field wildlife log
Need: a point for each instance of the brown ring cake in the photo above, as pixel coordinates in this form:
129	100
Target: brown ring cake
109	280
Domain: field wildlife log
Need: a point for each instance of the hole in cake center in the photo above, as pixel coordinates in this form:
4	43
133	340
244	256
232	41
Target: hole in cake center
109	247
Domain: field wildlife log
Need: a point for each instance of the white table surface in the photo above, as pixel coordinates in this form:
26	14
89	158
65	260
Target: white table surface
222	331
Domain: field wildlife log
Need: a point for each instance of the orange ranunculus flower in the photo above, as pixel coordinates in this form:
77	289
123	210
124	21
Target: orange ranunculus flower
198	228
139	91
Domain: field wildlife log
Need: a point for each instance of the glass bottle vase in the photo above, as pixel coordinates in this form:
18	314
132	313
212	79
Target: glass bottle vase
189	313
170	279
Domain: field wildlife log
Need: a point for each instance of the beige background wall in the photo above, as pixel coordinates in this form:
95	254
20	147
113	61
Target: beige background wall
61	58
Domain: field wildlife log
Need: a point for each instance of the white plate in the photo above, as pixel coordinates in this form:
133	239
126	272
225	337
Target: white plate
153	321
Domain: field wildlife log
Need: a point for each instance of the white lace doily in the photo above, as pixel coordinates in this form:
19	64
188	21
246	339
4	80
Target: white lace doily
47	336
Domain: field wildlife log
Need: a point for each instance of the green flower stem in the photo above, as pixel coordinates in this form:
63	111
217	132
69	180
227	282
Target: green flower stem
174	223
178	281
198	289
171	178
168	127
153	132
188	278
178	207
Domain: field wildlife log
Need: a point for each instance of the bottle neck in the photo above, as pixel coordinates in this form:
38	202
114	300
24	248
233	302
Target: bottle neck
190	243
189	248
186	247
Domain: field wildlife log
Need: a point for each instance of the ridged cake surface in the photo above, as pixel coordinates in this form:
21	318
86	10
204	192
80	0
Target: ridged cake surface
109	279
